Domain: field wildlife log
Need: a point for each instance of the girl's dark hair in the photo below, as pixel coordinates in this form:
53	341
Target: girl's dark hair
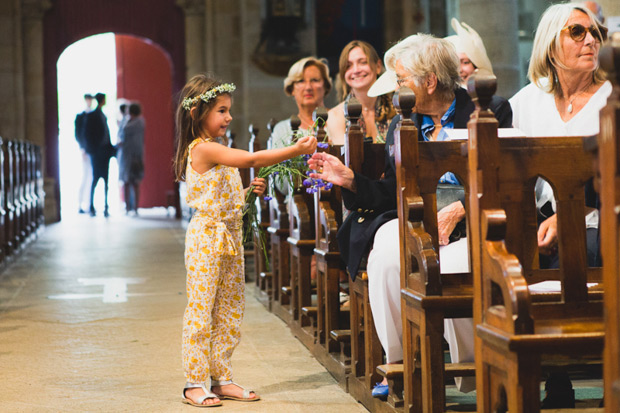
189	122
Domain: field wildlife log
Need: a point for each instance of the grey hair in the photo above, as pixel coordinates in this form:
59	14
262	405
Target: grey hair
423	54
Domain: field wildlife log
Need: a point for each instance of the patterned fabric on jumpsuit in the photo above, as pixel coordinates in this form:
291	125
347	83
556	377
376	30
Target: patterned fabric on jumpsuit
215	272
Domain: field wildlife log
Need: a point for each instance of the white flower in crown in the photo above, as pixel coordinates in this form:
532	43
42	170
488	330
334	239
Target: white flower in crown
208	95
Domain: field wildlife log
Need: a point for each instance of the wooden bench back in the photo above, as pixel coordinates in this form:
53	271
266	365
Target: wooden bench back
502	175
609	189
419	166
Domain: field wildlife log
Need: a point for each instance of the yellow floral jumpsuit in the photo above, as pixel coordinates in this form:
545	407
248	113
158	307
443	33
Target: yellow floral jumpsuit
215	272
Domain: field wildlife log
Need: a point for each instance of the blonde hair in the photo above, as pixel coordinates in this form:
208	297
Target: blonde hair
343	63
189	123
296	73
424	54
546	49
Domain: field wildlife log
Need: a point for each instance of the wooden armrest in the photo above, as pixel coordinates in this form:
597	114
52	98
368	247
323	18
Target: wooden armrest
341	336
309	311
390	371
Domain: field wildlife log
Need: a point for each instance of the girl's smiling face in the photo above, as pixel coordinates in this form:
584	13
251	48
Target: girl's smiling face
217	120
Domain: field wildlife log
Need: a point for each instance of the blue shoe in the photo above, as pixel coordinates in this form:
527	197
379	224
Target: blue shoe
380	391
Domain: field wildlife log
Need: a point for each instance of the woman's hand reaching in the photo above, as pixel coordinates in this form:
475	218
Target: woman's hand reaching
331	169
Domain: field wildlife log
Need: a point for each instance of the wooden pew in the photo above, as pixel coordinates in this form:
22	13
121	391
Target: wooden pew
366	352
332	348
303	214
428	296
279	230
515	333
11	240
263	273
609	190
3	213
39	187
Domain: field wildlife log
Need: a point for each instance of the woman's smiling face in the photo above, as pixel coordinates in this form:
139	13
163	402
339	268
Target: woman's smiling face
359	73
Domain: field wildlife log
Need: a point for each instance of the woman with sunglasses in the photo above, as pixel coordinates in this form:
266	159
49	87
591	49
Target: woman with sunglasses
565	97
568	87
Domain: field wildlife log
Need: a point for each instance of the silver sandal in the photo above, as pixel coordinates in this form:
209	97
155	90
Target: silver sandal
208	395
246	393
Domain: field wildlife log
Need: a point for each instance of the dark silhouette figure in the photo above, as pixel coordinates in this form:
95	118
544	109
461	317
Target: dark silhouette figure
100	149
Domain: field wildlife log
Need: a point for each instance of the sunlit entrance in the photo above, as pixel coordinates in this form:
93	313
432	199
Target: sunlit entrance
87	66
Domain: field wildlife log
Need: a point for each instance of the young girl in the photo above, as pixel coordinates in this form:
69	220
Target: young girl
213	244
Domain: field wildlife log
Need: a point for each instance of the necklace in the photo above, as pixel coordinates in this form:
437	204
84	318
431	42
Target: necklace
569	108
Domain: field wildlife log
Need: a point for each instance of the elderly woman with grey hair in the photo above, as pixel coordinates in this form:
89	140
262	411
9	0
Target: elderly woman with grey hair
430	67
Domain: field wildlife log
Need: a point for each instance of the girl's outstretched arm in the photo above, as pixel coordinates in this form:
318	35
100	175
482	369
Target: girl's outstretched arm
208	154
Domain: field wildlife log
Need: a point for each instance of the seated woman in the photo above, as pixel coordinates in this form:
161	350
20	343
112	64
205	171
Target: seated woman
359	68
308	82
471	51
567	92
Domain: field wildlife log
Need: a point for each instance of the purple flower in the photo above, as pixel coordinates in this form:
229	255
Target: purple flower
267	198
328	185
307	182
323	145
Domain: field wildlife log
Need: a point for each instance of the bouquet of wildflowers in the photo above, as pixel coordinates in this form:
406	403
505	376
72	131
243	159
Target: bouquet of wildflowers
290	172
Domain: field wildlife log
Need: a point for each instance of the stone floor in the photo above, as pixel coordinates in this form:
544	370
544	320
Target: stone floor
90	320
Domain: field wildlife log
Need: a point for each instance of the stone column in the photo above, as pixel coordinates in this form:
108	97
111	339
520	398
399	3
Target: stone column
610	7
32	38
32	102
496	22
404	18
195	36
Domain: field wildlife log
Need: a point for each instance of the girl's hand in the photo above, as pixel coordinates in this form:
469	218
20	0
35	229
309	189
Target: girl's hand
258	186
306	145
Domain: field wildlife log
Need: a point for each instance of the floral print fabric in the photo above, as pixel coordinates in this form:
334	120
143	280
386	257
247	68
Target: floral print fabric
215	272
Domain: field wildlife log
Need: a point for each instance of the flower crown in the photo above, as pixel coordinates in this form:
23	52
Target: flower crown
208	95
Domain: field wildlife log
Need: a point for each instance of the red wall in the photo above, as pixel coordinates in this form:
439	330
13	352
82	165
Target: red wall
68	21
144	74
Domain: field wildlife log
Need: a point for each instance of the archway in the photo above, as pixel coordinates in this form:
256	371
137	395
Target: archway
162	22
127	69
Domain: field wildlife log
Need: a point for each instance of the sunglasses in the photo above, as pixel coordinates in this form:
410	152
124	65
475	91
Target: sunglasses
578	32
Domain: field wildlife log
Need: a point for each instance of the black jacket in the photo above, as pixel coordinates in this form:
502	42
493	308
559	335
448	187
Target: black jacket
374	203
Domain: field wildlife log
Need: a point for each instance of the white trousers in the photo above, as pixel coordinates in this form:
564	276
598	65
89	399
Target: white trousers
87	180
384	295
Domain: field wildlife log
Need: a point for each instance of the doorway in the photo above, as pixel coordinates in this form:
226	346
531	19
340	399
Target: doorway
127	69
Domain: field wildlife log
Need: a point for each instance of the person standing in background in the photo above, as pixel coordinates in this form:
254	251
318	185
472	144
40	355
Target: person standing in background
100	149
131	156
87	173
